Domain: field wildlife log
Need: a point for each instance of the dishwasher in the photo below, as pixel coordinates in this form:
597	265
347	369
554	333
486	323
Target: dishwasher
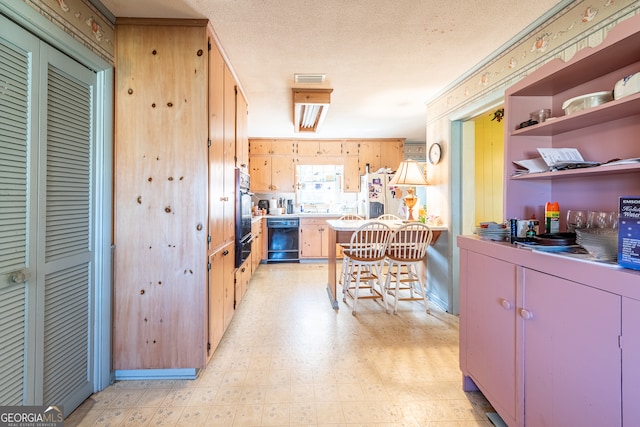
282	240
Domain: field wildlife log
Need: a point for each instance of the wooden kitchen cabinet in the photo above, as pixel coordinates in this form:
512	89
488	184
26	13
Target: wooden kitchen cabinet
175	147
242	139
284	147
160	174
313	238
383	153
272	174
319	148
272	165
222	134
257	245
351	183
221	295
242	278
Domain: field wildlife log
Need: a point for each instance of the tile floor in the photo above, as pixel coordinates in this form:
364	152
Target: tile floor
288	359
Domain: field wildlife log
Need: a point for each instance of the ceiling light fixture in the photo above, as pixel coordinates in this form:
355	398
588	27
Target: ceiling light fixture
310	107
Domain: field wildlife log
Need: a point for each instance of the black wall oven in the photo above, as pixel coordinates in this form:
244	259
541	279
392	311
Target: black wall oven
243	217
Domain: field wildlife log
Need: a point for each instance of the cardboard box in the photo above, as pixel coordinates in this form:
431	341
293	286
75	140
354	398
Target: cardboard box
629	232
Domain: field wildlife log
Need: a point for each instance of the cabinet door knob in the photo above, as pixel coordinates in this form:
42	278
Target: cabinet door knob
526	314
505	304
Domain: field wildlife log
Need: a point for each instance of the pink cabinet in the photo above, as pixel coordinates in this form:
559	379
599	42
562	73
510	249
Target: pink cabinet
630	361
570	353
548	340
487	310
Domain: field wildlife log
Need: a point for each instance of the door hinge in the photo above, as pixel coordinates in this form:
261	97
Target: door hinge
208	266
620	341
208	346
209	238
209	142
208	44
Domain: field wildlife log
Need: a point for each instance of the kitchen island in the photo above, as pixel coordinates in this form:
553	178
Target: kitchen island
340	231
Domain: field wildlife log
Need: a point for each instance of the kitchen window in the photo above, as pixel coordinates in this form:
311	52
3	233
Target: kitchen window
319	187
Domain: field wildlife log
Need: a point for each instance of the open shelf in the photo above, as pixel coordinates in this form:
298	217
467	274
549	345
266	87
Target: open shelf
613	110
592	171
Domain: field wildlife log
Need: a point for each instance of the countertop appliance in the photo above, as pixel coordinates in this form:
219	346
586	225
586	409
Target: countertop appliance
242	218
263	204
377	197
282	240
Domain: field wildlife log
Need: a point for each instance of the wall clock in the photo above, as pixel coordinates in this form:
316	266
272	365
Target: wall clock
435	153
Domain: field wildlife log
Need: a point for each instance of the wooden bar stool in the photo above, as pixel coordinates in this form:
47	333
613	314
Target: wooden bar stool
406	249
362	266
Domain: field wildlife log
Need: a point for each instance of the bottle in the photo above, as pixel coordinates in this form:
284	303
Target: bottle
531	232
552	217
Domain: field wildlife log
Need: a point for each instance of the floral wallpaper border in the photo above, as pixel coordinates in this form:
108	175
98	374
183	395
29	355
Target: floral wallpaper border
575	27
81	20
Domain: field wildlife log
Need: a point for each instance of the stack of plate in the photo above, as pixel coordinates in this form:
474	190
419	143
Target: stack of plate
501	232
601	243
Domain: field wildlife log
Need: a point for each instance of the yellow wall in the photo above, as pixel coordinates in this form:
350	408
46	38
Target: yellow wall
489	150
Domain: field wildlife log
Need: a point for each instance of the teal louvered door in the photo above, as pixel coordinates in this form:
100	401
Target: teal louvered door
65	256
18	160
46	238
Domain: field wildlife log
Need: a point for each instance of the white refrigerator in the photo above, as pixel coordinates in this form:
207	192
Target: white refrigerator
377	197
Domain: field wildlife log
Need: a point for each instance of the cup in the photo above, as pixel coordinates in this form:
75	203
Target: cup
576	219
601	219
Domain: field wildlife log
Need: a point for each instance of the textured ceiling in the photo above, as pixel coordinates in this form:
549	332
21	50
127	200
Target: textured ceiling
384	59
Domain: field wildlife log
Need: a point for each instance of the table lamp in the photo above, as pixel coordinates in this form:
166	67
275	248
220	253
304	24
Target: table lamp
409	175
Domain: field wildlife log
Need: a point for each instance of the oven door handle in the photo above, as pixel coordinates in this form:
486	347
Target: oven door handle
249	240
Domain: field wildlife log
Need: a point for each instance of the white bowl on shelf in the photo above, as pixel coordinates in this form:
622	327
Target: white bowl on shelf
628	86
584	102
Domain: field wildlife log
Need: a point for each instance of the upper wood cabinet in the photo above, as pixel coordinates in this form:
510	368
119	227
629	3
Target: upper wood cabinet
353	154
314	148
242	139
285	147
385	153
271	165
217	194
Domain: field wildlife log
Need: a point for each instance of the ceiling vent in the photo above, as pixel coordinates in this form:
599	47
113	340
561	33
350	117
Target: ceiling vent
310	107
309	78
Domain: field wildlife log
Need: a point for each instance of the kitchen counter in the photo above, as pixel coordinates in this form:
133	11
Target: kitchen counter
609	277
307	215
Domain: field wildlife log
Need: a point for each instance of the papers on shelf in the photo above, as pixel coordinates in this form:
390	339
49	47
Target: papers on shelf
622	161
531	166
553	159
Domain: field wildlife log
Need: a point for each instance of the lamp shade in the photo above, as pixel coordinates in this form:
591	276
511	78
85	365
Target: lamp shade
408	174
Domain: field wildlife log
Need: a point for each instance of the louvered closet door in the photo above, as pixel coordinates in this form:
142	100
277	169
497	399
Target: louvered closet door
46	210
18	165
65	256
